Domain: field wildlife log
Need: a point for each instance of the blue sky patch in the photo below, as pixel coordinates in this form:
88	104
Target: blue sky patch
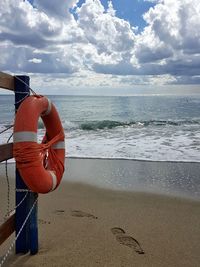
129	10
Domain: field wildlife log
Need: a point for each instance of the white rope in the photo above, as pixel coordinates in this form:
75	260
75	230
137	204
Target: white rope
27	93
19	190
20	92
8	188
23	190
8	182
20	230
25	84
22	99
10	211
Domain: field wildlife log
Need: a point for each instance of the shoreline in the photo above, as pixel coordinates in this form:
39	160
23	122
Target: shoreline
132	159
123	159
161	178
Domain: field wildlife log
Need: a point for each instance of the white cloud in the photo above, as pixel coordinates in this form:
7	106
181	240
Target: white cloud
47	38
171	35
58	8
110	9
149	48
169	44
176	23
106	32
35	60
22	24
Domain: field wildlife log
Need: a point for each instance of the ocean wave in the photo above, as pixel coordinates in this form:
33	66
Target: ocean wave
108	124
67	125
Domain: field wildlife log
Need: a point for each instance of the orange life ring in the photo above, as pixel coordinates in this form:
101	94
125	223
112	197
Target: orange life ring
31	157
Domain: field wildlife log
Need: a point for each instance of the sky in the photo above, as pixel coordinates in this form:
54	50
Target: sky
102	47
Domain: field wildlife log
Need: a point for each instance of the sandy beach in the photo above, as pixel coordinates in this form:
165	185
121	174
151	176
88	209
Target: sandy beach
82	225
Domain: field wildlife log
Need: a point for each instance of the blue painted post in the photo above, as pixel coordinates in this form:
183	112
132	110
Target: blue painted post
33	224
28	238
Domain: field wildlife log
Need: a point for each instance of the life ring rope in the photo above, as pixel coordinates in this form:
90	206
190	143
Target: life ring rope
31	154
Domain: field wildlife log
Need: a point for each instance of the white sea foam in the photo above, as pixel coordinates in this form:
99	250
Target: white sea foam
160	144
129	143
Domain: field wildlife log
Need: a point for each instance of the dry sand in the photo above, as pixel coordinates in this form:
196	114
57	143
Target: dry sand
81	225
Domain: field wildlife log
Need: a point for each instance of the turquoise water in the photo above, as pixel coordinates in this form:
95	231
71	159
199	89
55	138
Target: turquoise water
161	128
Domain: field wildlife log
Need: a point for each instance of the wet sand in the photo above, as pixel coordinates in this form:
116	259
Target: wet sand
82	225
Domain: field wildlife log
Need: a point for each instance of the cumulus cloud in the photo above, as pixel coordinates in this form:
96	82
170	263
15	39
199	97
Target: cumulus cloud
176	23
149	48
64	37
169	44
105	31
110	9
24	59
58	8
36	26
22	24
97	36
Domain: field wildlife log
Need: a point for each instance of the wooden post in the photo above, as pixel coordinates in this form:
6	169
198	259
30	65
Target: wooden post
28	238
7	228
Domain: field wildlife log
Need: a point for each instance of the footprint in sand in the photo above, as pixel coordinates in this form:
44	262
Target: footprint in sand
126	240
59	211
117	230
43	221
79	213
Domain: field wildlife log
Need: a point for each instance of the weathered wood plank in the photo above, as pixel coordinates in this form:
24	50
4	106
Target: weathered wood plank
7	228
7	81
6	151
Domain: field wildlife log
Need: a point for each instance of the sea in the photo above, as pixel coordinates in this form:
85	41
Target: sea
148	129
